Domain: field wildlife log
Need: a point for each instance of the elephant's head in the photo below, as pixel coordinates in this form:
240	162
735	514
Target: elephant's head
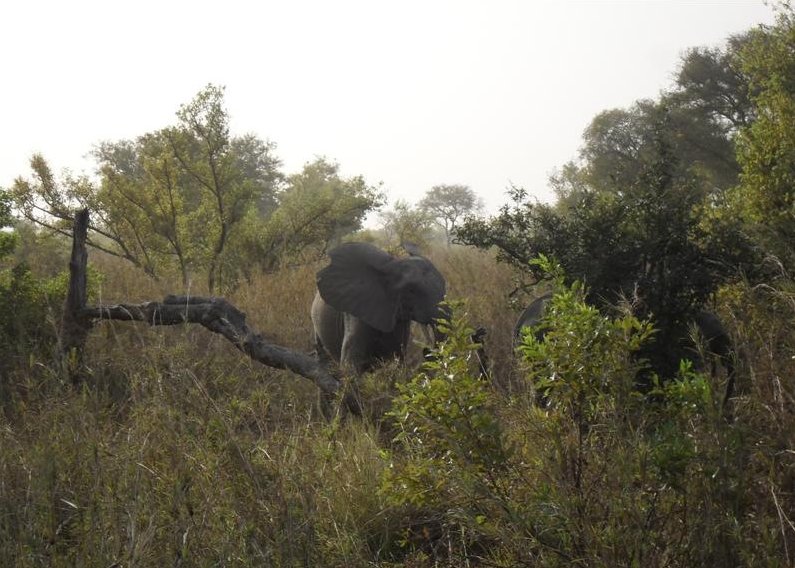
379	288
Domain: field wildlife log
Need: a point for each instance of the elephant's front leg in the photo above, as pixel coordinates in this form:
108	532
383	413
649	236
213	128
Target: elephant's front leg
357	354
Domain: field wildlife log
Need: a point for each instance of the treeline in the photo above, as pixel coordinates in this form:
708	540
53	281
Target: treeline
674	197
196	199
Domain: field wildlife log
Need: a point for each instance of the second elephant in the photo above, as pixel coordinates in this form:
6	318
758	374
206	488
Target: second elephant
662	355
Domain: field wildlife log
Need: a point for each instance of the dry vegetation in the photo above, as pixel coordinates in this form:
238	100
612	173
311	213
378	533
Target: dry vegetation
178	451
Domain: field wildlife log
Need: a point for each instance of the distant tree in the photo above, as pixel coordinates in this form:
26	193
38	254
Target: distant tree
712	82
406	224
619	143
449	204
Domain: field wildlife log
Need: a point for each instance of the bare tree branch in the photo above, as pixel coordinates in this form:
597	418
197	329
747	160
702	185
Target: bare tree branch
216	314
221	317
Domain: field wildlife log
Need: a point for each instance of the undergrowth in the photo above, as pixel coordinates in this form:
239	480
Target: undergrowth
176	451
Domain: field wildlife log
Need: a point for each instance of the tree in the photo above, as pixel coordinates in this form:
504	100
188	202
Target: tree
214	162
314	211
619	143
712	82
632	224
766	195
448	204
406	224
176	196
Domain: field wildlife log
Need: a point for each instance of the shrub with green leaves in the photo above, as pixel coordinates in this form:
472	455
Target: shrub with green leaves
584	359
450	456
24	316
625	479
599	475
30	308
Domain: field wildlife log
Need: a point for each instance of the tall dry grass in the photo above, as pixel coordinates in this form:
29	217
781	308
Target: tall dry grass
180	451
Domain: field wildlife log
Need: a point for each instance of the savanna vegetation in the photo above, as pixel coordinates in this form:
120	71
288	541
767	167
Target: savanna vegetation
174	449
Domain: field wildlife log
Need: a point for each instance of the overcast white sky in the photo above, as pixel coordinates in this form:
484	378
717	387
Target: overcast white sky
410	93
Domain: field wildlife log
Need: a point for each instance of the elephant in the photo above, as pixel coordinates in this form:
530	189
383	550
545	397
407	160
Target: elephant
670	345
532	315
719	343
366	300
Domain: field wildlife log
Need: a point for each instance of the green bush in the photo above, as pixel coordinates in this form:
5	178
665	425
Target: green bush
30	310
632	480
598	475
448	464
25	318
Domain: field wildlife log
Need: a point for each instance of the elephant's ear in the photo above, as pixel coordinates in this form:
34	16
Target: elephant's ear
356	282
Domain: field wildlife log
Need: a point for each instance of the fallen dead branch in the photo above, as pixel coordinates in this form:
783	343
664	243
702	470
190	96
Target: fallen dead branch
215	314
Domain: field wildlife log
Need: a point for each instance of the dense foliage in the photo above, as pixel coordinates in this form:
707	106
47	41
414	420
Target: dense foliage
28	305
194	198
766	195
646	214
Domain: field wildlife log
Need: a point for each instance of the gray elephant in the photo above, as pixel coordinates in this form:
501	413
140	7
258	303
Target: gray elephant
366	300
532	315
719	343
664	352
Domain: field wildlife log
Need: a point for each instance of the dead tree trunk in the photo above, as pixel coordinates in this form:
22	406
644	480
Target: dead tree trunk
74	325
215	314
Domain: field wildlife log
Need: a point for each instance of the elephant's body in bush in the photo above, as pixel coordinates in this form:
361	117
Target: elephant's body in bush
668	346
366	301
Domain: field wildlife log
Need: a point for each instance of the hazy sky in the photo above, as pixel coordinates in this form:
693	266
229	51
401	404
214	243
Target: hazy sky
413	94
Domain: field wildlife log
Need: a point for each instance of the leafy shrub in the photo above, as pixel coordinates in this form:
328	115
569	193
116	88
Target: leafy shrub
26	320
450	454
599	475
29	311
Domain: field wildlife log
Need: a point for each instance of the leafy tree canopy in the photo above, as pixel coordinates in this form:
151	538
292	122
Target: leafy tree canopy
712	82
632	221
765	197
195	198
314	210
173	197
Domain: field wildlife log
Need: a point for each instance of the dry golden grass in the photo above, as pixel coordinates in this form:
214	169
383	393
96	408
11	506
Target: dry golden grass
475	277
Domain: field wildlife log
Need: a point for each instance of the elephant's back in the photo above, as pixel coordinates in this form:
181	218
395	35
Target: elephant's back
532	314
